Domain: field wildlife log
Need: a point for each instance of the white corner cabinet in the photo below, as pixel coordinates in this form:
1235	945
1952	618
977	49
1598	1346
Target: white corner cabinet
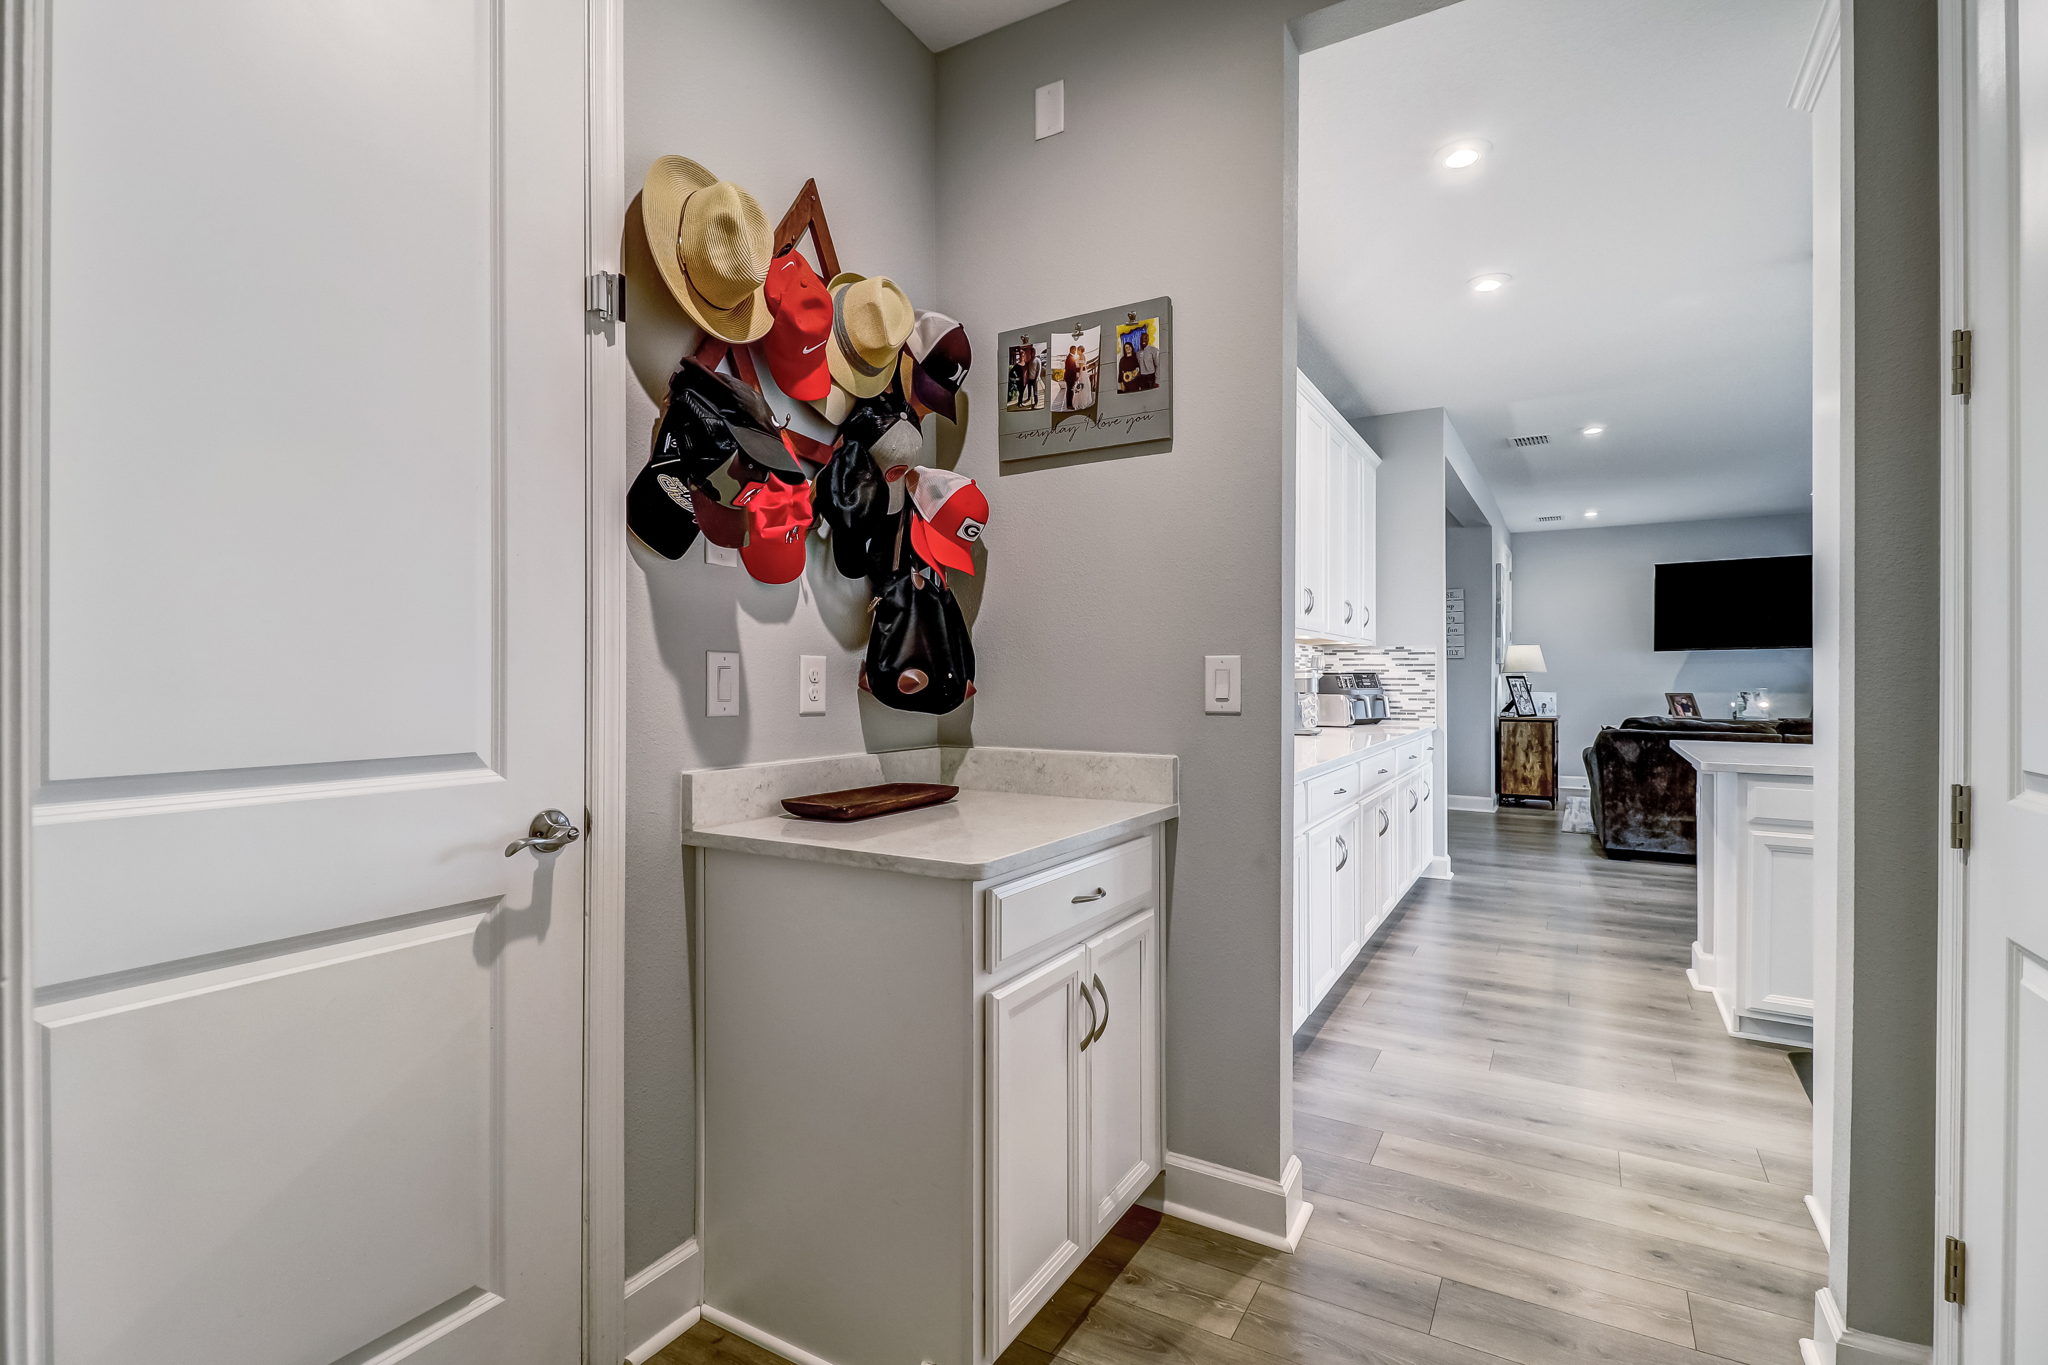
930	1091
1336	500
1364	838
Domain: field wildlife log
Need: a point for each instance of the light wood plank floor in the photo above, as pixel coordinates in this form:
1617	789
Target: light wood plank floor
1526	1140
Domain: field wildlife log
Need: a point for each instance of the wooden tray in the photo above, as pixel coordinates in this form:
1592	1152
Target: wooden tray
864	803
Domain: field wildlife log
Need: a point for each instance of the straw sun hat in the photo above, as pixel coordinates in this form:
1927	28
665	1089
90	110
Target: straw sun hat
713	246
871	319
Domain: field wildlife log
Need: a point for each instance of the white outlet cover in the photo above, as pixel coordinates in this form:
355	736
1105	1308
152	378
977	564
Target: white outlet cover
721	554
721	683
1049	108
810	685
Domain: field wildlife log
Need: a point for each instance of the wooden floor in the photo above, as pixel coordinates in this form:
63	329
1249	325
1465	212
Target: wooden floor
1525	1139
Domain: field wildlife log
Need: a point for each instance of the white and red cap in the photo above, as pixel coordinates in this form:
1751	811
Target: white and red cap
952	512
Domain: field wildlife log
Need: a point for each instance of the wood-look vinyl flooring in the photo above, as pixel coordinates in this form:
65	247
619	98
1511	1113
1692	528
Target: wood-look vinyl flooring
1526	1138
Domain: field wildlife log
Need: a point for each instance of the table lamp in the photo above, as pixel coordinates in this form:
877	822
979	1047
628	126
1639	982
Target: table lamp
1521	661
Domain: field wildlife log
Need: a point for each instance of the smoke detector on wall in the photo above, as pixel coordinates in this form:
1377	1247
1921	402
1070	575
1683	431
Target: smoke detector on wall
1519	441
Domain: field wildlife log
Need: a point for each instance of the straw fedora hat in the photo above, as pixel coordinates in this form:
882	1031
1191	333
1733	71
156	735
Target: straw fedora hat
713	247
871	319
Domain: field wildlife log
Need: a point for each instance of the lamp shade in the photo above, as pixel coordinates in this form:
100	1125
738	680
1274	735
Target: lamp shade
1523	659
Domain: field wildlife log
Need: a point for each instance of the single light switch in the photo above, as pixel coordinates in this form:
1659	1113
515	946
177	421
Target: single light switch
1050	104
721	684
1223	684
721	554
810	685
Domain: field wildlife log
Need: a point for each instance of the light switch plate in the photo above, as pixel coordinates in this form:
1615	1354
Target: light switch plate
721	683
1222	684
810	685
1049	104
721	554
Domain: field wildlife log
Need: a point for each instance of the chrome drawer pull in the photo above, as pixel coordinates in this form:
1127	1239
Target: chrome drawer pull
1340	791
1097	894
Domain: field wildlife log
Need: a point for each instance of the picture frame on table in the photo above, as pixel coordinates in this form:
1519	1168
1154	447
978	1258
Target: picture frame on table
1519	695
1682	704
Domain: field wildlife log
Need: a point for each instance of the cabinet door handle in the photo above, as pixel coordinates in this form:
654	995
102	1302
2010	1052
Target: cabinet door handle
1341	791
1412	798
1102	991
1347	613
1365	616
1383	772
1385	819
1343	853
1097	894
1089	1035
1310	595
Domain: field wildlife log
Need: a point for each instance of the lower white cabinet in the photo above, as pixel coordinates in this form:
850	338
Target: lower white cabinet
1123	1142
1354	865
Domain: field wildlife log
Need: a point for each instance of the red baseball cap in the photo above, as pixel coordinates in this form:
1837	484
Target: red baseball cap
795	346
778	519
951	514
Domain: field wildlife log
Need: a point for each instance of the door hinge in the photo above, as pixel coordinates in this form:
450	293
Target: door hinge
1959	364
1952	1271
1958	816
604	297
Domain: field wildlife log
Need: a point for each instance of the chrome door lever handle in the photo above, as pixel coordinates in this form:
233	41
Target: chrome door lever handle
550	831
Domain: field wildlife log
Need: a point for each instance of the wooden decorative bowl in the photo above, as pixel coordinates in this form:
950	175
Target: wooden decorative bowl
864	803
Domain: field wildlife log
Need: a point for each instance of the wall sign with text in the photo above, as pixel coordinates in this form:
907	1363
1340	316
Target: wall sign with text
1086	382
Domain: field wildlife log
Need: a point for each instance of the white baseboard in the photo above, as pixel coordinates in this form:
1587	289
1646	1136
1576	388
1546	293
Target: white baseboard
1268	1212
1439	868
1836	1343
664	1301
1820	1221
1573	784
1484	805
766	1340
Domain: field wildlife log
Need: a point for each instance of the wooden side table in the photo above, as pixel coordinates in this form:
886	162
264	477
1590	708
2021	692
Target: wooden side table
1527	755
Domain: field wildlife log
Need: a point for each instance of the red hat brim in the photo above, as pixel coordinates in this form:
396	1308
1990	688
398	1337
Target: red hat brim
935	548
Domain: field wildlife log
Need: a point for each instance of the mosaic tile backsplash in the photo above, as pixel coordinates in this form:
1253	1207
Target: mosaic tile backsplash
1409	675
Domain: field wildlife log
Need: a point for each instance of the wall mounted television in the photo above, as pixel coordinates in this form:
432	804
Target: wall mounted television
1735	604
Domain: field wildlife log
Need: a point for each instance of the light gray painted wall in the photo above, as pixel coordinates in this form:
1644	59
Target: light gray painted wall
1586	598
1469	682
765	93
1109	578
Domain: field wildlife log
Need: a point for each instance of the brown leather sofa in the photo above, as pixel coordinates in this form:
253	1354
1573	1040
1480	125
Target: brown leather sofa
1644	795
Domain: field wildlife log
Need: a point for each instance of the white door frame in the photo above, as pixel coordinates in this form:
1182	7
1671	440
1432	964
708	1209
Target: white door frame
24	179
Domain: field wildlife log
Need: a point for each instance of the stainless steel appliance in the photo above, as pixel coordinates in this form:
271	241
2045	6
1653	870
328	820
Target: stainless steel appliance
1350	699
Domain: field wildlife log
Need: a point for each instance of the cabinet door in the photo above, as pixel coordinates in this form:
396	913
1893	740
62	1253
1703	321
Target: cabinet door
1350	886
1324	854
1339	510
1425	827
1311	518
1385	833
1123	1069
1037	1225
1365	564
1302	1001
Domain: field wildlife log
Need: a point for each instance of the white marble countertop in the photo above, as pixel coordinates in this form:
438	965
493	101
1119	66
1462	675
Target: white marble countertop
1017	808
1333	744
976	835
1735	756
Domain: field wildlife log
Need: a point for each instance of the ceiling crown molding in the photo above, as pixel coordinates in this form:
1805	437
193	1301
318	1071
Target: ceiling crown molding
1822	49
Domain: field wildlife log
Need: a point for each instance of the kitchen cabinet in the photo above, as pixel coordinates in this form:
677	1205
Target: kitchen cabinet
1123	1142
1336	501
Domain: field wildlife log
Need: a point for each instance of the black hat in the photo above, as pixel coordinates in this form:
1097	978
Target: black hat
659	508
712	416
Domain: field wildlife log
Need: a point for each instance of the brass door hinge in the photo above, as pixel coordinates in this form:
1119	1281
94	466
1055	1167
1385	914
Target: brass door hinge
1952	1271
1959	364
1958	816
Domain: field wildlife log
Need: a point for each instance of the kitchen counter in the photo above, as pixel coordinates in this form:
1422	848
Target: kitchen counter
1735	756
1334	744
1017	808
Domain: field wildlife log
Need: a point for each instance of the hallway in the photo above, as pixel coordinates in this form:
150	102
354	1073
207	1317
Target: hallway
1525	1137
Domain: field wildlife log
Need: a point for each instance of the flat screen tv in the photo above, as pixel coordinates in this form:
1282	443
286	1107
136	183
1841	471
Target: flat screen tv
1736	604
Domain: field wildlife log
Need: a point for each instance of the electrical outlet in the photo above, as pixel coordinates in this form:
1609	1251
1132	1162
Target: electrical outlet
721	684
721	554
810	685
1222	684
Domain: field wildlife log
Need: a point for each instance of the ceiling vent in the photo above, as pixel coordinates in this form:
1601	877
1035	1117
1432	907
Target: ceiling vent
1559	518
1520	441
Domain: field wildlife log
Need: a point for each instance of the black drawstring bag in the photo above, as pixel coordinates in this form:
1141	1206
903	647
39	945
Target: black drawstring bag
919	657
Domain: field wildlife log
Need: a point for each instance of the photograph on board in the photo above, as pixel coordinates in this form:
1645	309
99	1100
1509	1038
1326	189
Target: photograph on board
1077	358
1026	386
1137	355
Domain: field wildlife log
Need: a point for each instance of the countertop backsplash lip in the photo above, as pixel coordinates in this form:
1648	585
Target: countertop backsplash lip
709	798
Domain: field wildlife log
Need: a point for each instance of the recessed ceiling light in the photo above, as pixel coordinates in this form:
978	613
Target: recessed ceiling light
1459	155
1593	430
1487	284
1590	514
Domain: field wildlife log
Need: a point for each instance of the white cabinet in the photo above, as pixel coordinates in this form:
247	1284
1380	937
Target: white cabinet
1328	851
1123	1142
1335	500
1304	985
1035	1108
1387	886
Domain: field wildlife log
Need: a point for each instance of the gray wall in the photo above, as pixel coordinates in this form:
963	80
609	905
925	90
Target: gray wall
1586	598
1108	578
1469	682
765	93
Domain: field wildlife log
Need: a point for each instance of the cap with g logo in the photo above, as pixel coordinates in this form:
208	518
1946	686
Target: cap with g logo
952	512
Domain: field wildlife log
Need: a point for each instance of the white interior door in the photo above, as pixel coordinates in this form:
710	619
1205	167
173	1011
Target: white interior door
2005	1071
313	654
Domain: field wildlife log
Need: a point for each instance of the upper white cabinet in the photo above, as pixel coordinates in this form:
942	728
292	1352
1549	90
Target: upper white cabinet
1335	501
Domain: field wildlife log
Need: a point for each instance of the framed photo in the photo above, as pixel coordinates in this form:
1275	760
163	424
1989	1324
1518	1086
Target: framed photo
1546	703
1518	691
1681	704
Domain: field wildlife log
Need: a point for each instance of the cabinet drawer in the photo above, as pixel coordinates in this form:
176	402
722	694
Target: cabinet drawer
1332	792
1045	905
1413	752
1378	768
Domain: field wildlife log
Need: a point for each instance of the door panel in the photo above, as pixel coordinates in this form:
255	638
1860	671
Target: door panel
1123	1070
1323	857
1035	1127
1311	518
314	656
